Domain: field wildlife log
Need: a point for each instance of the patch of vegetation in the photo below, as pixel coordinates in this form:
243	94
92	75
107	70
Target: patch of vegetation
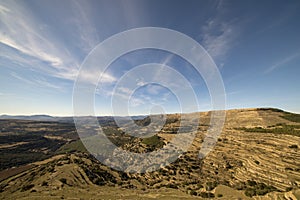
193	192
37	141
27	187
270	109
211	185
292	117
288	169
171	185
250	192
143	122
112	131
11	159
44	183
254	188
206	195
277	129
75	146
154	141
171	120
240	186
63	180
293	146
97	175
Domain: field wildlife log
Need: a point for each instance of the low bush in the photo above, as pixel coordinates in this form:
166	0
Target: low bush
27	187
211	185
207	195
293	146
63	180
254	188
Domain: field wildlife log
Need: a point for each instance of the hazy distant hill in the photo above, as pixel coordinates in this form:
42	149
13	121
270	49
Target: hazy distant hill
66	119
30	117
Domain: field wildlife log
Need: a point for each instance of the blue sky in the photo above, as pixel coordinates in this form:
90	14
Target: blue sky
255	44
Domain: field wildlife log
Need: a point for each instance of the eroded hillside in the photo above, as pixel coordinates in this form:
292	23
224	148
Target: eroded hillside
256	156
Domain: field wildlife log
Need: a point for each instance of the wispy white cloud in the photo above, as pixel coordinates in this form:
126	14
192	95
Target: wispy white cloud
283	62
38	81
125	90
167	59
140	82
43	48
85	27
154	89
20	78
4	9
33	51
218	37
22	31
135	102
45	83
92	76
233	93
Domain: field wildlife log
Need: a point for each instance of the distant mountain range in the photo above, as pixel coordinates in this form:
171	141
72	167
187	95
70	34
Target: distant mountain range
31	117
64	119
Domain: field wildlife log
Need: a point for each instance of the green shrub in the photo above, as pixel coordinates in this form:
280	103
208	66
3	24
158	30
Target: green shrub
154	141
293	146
240	186
27	187
250	192
207	195
254	188
63	180
199	185
44	183
172	186
211	185
194	193
251	183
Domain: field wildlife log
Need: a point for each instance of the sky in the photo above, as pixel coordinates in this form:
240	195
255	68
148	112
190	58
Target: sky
254	44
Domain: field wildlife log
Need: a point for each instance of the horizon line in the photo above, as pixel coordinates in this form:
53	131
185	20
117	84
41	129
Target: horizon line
137	115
